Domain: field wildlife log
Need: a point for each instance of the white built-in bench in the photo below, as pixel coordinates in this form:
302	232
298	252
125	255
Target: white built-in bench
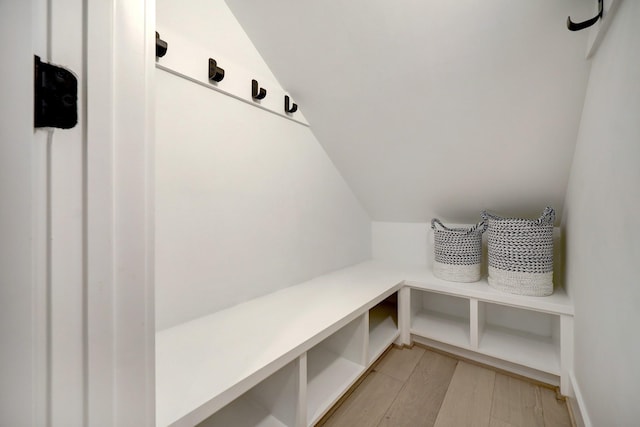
284	359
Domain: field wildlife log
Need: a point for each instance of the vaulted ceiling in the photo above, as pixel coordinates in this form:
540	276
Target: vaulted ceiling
434	107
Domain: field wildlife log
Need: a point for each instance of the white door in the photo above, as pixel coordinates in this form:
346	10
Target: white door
76	318
42	263
20	402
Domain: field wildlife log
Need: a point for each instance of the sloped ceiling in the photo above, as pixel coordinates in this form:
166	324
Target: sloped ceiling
434	107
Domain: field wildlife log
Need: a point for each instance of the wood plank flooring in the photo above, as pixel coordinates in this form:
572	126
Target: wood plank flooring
420	388
468	399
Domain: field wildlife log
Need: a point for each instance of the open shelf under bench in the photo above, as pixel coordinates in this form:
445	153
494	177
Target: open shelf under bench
207	363
535	333
220	360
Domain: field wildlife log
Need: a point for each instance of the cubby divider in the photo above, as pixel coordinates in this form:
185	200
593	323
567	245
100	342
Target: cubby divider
383	326
333	366
476	310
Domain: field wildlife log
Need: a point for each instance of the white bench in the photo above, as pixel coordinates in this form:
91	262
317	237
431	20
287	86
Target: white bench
207	363
284	359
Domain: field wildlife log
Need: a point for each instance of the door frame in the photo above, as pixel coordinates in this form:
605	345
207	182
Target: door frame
117	305
120	58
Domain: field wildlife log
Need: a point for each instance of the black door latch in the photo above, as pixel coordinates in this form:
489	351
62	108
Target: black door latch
55	96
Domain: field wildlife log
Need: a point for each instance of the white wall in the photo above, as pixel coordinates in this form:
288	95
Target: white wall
602	224
435	108
246	202
411	244
402	243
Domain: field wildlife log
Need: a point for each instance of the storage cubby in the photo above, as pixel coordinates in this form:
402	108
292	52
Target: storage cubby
525	337
349	318
440	317
271	403
383	326
333	366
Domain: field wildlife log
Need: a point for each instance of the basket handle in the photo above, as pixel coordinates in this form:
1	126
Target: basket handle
481	225
435	221
548	216
485	215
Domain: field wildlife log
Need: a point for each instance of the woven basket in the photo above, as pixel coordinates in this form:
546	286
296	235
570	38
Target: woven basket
457	252
521	253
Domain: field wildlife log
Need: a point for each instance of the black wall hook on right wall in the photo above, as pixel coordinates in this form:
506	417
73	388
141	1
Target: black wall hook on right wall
577	26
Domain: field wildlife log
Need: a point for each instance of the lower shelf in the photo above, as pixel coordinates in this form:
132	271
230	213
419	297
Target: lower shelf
534	351
328	376
441	327
497	362
242	413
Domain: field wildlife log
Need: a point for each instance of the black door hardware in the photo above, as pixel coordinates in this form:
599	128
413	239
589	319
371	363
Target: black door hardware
256	91
288	109
577	26
215	73
161	46
55	96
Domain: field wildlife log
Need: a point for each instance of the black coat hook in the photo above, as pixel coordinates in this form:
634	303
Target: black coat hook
577	26
161	46
215	73
256	91
293	108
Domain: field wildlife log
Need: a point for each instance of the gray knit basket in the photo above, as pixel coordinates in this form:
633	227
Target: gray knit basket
521	253
457	252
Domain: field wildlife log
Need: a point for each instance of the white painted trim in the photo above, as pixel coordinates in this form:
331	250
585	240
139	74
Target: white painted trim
149	220
301	404
579	410
134	54
574	413
404	315
366	339
41	276
475	327
189	61
599	30
566	353
201	82
40	212
67	314
99	238
119	235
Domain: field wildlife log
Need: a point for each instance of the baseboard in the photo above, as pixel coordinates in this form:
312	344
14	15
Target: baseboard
577	406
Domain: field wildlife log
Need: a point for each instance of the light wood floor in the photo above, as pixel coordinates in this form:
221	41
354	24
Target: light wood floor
419	387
